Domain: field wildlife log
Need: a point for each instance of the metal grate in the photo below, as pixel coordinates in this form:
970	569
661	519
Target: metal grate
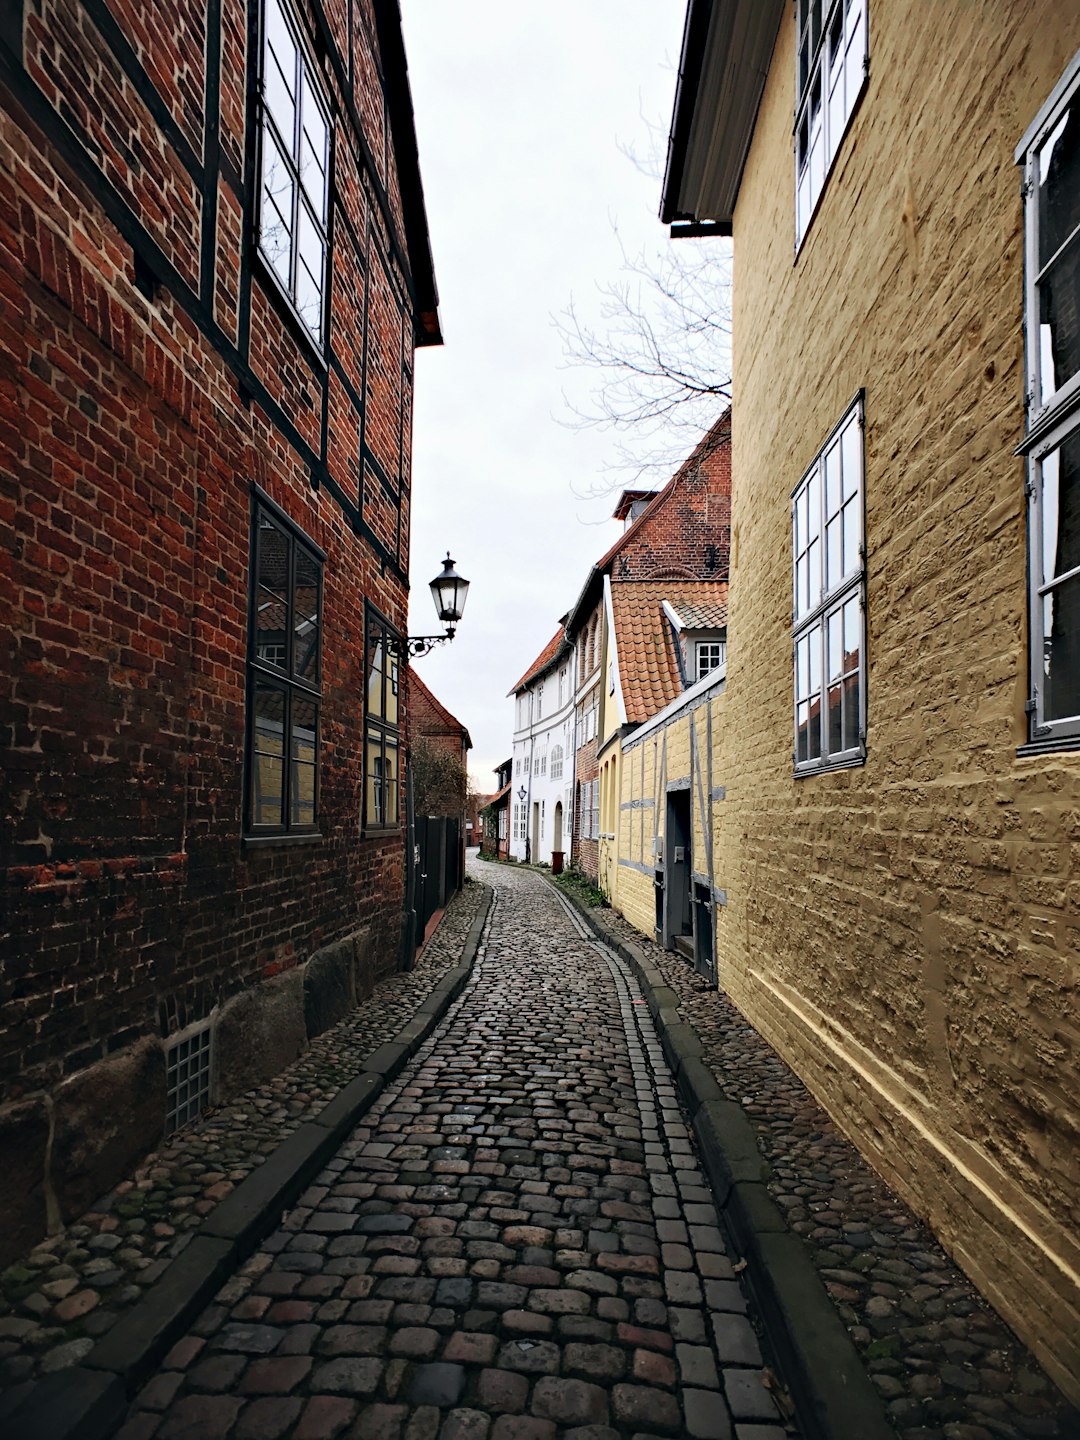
187	1075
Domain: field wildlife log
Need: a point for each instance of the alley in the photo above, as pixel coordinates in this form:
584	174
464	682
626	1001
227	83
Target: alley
517	1244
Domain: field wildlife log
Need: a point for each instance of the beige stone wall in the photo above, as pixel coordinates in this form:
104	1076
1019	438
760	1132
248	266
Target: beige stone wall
674	751
906	933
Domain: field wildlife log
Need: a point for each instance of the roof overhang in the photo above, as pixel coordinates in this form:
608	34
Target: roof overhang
726	50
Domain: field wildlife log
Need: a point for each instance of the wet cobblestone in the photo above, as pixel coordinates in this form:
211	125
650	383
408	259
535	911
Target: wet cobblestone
500	1250
946	1365
69	1290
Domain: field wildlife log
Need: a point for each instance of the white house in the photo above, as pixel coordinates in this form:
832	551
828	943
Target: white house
541	801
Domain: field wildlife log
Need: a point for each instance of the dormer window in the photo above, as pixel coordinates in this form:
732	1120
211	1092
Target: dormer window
710	654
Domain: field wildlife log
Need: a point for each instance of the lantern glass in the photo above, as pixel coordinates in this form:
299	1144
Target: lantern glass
449	590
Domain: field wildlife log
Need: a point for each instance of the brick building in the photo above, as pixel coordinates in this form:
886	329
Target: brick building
215	272
899	739
680	533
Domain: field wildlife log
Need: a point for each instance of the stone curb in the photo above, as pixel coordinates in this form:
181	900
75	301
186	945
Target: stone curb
89	1401
834	1397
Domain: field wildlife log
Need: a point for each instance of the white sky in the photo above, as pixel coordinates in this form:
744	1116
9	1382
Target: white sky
521	108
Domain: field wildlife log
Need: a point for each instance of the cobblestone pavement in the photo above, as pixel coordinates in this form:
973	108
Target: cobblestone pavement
945	1364
516	1244
70	1290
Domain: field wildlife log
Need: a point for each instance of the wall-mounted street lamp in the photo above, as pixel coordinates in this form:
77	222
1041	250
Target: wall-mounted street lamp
449	591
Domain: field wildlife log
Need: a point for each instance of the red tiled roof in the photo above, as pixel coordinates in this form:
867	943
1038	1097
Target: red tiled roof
648	665
702	614
499	795
542	661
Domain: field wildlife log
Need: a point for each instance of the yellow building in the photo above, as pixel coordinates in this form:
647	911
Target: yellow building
649	622
899	840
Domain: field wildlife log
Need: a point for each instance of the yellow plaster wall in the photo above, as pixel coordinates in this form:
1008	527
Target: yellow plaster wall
907	933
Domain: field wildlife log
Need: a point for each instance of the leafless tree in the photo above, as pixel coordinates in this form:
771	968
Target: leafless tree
439	780
659	346
660	352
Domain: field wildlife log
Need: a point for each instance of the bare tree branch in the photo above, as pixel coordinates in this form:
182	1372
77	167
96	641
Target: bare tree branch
660	350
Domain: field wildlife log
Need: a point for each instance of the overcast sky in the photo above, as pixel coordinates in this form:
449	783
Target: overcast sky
521	110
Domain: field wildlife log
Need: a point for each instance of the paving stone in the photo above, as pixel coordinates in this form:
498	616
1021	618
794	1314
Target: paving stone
522	1427
641	1407
268	1419
324	1417
200	1417
499	1390
439	1384
569	1402
465	1425
348	1376
276	1376
747	1397
707	1417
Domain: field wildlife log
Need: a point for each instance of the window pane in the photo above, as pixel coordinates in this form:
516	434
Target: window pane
833	553
1060	476
853	676
850	519
1061	651
306	603
832	479
277	208
305	719
1059	321
268	755
272	586
375	702
392	691
851	443
390	779
309	272
1059	184
374	789
313	152
279	71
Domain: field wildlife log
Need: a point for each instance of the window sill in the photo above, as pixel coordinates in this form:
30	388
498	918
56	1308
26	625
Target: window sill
265	842
833	765
1048	747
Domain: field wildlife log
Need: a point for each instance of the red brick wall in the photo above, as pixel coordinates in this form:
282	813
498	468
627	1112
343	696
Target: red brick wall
689	534
425	718
132	426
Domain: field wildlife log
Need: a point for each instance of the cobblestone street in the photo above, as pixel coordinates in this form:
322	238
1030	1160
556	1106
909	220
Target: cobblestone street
516	1244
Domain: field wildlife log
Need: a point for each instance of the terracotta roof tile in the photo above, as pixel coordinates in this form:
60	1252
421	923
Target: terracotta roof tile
542	661
648	664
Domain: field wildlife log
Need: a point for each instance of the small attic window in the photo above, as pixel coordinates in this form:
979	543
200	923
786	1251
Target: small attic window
711	654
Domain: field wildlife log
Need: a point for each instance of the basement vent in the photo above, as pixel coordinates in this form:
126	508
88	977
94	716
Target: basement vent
187	1076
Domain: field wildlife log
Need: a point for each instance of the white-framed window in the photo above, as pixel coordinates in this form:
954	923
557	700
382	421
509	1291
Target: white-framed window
595	809
562	685
556	762
539	701
829	629
1050	154
710	655
832	58
543	812
294	167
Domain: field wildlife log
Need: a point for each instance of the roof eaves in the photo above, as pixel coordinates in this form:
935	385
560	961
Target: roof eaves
727	49
427	327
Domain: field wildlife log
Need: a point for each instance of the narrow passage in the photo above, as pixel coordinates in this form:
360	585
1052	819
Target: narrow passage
517	1244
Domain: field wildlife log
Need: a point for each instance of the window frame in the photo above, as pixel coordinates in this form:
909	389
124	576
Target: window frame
307	81
556	760
829	601
376	727
1050	423
721	663
817	70
282	678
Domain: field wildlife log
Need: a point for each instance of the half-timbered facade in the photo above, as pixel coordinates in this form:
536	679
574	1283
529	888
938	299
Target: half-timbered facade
215	273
